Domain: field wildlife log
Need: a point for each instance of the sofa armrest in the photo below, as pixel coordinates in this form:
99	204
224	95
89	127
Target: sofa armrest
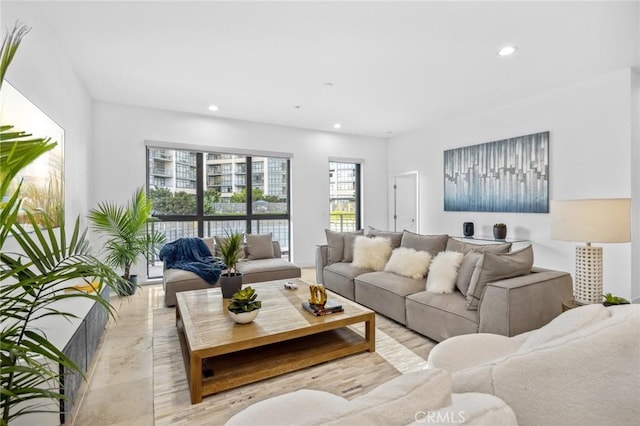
322	259
515	305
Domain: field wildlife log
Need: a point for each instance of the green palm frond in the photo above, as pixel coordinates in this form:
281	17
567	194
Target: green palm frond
34	278
17	150
10	45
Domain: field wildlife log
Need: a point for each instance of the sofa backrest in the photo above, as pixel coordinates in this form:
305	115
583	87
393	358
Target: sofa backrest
568	323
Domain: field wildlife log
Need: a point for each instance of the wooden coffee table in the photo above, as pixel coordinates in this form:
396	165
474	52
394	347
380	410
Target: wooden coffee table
283	338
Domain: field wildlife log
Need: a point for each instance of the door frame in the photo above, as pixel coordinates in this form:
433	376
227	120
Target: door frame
392	198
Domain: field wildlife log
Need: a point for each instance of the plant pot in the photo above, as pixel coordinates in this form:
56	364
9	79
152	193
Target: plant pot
230	284
500	232
129	288
244	317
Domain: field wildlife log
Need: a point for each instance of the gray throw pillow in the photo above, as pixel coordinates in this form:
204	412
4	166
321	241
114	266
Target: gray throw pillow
495	267
433	244
468	266
335	243
464	246
221	241
347	253
395	237
209	242
259	246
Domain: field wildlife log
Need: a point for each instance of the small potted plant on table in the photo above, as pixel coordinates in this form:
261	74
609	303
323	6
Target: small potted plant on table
244	306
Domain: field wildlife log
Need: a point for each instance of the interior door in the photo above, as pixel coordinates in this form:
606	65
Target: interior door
404	201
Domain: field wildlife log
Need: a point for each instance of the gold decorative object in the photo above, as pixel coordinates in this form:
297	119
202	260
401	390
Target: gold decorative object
318	295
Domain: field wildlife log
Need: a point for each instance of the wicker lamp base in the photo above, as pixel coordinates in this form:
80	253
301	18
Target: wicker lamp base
588	284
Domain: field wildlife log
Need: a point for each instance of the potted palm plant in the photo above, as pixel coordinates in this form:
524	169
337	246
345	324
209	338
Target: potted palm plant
38	274
230	251
127	237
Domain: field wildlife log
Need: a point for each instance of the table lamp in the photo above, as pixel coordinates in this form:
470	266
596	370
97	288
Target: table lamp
605	220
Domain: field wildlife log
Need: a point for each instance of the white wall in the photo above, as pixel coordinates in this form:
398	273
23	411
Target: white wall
40	72
590	157
635	181
119	162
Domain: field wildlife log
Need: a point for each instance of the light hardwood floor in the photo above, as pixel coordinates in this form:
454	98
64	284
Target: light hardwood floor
120	385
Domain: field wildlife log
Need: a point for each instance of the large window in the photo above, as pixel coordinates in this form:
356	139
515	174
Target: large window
344	196
207	193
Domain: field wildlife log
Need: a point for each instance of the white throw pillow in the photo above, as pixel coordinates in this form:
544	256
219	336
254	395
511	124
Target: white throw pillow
371	253
443	272
409	262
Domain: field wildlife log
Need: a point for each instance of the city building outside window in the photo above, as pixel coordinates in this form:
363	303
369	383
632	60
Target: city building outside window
207	194
344	196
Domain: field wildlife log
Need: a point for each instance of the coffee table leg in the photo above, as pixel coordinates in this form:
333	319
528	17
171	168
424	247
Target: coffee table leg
370	333
195	383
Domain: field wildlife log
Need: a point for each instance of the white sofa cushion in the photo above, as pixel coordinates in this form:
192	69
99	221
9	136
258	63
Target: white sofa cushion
372	253
443	272
409	262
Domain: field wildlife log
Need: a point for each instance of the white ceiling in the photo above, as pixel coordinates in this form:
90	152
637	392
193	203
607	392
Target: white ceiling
394	66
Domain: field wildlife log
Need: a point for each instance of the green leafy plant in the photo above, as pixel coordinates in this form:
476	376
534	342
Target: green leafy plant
244	301
35	274
230	251
500	225
614	300
125	229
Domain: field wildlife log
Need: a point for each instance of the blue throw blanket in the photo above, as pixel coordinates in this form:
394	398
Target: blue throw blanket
192	254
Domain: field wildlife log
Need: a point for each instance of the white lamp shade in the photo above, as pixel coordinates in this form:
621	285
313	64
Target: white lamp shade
605	220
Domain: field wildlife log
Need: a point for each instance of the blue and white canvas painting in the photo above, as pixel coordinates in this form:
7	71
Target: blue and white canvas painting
510	175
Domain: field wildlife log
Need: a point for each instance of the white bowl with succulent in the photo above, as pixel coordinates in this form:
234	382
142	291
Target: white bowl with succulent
244	306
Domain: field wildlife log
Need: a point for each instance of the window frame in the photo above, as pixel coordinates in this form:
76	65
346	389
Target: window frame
202	154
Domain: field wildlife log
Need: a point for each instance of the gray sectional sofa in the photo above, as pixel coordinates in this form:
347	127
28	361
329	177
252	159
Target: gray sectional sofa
506	306
253	271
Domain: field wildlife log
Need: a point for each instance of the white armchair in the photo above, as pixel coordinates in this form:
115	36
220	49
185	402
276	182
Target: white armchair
582	368
422	397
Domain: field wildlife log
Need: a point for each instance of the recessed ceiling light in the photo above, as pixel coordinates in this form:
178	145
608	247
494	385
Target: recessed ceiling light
337	126
213	108
328	84
507	50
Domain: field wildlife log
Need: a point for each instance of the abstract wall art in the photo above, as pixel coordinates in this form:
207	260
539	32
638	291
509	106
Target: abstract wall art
510	175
